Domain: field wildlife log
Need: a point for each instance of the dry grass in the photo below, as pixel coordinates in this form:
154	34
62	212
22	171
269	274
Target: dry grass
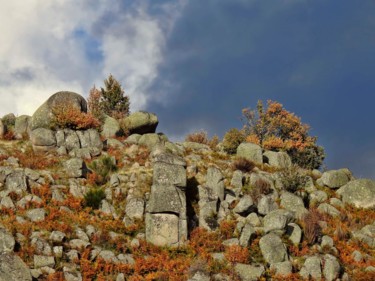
243	165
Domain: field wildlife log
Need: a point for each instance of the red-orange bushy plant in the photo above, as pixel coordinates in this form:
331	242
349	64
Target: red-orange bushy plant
275	128
66	115
236	254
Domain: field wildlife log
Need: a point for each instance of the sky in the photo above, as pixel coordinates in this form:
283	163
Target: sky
197	64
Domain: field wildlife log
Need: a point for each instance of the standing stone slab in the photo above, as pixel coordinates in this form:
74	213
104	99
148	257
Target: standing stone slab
166	220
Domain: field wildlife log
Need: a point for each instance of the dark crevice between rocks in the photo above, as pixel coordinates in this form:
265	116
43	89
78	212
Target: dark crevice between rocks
192	198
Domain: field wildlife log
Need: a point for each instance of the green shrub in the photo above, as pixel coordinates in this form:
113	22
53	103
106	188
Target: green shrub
292	179
232	139
102	168
93	198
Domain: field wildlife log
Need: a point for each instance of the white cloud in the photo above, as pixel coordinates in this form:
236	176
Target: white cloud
41	52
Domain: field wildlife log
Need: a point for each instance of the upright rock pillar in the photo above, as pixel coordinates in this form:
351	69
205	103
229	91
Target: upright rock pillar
166	219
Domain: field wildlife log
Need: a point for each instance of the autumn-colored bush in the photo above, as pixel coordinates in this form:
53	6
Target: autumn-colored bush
93	103
311	227
202	241
199	137
226	228
66	115
232	139
236	254
275	128
34	160
243	164
9	135
261	187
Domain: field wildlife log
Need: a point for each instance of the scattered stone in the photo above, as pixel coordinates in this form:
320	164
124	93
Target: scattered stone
75	168
282	268
295	233
312	268
249	272
245	206
7	241
12	268
135	208
248	233
36	215
41	261
331	270
277	220
277	159
360	193
293	203
111	127
334	178
250	151
328	209
273	249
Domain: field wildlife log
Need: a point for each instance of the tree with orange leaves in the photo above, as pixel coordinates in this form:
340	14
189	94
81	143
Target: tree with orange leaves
275	128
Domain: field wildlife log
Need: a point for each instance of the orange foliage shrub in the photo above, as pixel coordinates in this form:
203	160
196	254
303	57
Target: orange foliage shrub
278	129
203	241
35	161
227	228
68	116
199	137
236	254
311	227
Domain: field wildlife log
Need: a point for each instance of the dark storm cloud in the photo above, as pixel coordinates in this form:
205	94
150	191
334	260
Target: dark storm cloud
317	58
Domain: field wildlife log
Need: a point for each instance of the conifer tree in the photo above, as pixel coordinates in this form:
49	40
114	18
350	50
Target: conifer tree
113	101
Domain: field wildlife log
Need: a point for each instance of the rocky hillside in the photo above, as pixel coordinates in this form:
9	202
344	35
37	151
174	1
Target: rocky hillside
86	204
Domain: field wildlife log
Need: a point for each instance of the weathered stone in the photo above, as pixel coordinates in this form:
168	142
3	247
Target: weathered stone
135	208
43	116
78	244
114	143
247	234
12	268
21	126
277	220
150	140
133	139
164	199
334	178
360	193
331	269
7	241
293	203
195	146
71	274
250	151
57	236
312	268
245	206
317	196
162	229
108	256
41	261
295	233
141	122
273	249
249	272
111	127
277	159
3	129
43	137
328	209
282	268
16	181
267	204
71	140
237	180
75	168
169	174
36	215
215	181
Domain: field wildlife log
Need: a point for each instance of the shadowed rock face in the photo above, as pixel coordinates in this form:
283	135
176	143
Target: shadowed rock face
43	115
12	268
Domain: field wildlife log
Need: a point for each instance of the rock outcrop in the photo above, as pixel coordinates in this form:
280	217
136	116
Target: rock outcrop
166	219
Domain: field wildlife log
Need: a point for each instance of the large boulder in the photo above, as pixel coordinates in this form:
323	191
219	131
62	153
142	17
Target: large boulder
12	268
42	117
278	159
360	193
141	122
250	151
335	178
43	137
